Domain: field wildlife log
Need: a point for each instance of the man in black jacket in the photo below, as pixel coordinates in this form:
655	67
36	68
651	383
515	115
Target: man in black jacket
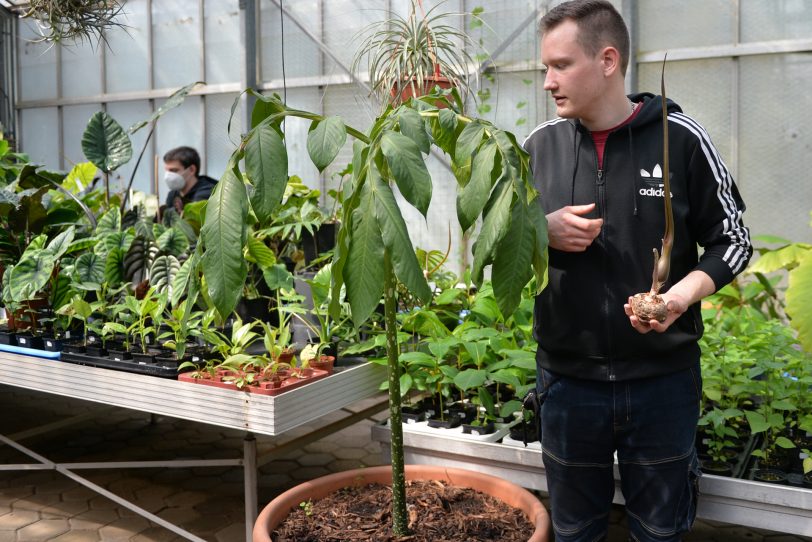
610	385
182	177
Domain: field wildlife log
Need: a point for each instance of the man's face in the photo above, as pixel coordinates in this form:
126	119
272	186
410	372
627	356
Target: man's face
575	79
176	167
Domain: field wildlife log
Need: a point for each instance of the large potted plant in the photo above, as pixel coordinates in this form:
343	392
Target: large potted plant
374	251
409	55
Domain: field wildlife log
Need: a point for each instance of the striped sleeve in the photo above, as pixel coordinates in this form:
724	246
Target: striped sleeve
717	209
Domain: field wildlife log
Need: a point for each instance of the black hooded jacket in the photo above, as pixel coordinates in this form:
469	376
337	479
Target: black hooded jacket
201	191
579	320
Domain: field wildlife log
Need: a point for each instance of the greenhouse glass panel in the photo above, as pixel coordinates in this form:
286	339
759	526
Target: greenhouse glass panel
511	102
501	19
126	58
302	55
223	41
712	109
296	130
37	66
177	45
775	20
74	122
345	19
668	24
40	138
220	143
127	114
81	70
775	146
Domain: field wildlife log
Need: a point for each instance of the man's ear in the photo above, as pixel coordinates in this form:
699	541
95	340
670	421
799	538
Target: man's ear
193	169
610	58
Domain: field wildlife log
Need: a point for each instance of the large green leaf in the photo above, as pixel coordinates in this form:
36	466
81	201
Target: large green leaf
114	266
512	267
110	222
105	143
408	168
782	258
540	255
412	126
469	140
396	239
223	235
470	378
266	164
494	227
277	276
799	300
471	198
364	274
185	277
31	274
324	141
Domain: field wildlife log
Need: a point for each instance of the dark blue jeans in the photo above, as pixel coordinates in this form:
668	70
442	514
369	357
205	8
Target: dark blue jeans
651	423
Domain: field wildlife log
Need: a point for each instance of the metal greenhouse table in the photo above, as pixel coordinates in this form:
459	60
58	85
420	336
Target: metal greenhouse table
252	413
729	500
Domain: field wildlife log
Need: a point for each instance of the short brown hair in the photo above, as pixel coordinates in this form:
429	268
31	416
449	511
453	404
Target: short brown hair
599	25
187	156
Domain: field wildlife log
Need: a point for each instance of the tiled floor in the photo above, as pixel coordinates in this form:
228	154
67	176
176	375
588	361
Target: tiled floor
39	506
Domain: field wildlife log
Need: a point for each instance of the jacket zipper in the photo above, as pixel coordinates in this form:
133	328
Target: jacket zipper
601	202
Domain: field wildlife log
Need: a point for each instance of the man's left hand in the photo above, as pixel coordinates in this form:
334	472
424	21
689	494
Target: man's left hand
676	306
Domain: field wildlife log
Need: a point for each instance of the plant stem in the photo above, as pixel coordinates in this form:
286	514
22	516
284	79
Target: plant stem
399	517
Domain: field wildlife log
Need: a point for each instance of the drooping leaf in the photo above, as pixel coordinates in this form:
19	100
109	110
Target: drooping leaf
494	227
266	164
469	140
512	263
396	238
408	169
540	256
799	294
105	143
364	275
412	126
324	140
223	234
471	199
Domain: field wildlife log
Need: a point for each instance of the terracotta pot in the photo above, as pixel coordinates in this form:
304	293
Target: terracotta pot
429	82
509	493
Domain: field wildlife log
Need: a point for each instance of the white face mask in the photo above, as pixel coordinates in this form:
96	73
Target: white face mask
173	180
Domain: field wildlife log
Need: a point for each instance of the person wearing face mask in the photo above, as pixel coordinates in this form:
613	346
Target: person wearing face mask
182	177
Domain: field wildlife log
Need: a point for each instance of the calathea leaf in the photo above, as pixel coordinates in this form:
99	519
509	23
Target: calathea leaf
89	269
163	272
324	140
173	241
110	222
223	234
396	238
471	198
114	266
31	274
105	143
408	169
266	164
364	275
60	244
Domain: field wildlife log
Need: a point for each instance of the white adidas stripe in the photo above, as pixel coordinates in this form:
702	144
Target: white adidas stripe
543	125
732	226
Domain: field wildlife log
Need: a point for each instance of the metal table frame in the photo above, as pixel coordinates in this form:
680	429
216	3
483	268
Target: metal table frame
253	413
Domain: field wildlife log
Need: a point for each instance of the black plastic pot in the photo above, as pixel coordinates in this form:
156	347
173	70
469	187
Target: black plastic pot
482	429
717	468
8	337
771	476
74	348
52	344
448	422
26	340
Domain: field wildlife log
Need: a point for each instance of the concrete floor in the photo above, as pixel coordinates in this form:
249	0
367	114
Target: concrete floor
39	506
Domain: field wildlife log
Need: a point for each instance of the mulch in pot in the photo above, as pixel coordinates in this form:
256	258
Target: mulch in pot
437	512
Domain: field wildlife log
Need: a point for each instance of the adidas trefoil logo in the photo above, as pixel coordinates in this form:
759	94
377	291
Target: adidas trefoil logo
654	180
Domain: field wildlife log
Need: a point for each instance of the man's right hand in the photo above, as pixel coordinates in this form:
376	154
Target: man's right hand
569	231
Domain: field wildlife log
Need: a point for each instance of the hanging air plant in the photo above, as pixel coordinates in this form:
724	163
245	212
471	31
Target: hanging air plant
60	20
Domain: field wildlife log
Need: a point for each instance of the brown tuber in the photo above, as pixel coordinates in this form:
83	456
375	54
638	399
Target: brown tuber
650	305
